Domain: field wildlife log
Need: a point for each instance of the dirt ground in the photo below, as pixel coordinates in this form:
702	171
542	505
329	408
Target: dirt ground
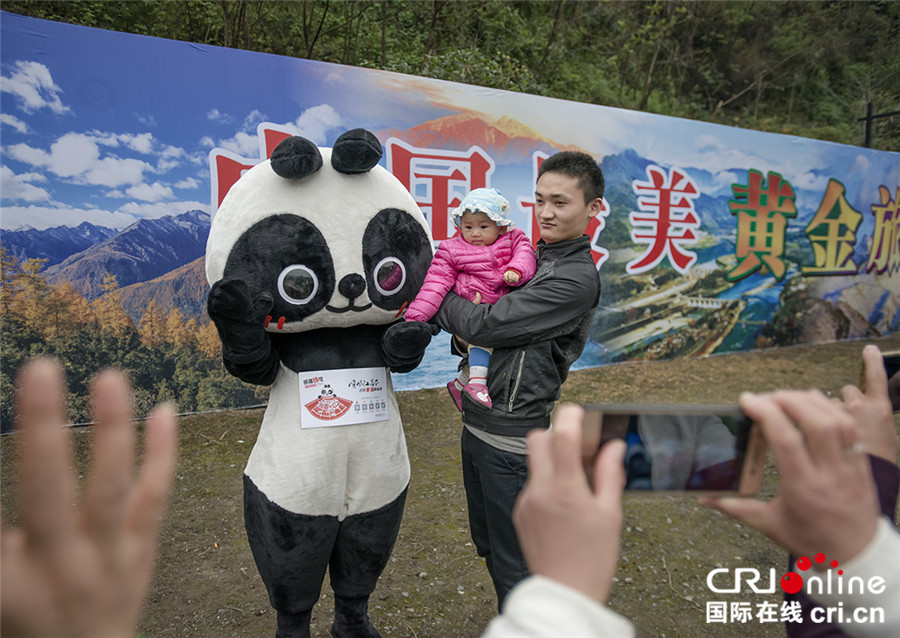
206	584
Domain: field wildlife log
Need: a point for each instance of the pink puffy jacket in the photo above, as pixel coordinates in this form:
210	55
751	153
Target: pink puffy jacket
468	269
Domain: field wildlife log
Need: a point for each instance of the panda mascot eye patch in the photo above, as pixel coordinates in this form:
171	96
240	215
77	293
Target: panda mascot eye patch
287	257
396	254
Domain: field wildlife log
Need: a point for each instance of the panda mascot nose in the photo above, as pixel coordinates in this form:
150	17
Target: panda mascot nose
352	286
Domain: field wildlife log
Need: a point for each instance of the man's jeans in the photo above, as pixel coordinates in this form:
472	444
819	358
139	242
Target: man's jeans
493	479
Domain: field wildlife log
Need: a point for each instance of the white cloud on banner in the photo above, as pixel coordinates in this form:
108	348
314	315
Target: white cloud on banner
253	119
155	192
810	180
244	144
315	122
145	119
14	122
16	188
78	156
32	83
189	182
219	117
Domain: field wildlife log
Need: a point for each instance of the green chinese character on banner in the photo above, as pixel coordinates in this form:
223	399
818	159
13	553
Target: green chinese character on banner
884	255
832	233
762	207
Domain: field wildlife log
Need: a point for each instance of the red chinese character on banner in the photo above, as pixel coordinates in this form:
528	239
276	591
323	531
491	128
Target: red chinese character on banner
226	168
884	255
438	179
595	225
667	221
526	204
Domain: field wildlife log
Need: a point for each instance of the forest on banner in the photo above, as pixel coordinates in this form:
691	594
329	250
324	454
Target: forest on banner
168	356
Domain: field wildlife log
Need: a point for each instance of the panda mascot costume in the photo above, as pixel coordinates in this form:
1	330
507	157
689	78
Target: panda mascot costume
311	257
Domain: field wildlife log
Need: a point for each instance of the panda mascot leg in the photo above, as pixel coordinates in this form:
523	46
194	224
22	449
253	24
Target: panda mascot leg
355	550
311	259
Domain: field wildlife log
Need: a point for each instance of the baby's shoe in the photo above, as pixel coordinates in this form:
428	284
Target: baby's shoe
479	393
455	390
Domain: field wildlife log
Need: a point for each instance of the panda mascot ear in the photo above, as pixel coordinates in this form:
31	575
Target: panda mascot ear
355	151
295	157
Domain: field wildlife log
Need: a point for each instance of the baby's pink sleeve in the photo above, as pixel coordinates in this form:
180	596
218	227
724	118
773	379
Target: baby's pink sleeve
523	260
439	279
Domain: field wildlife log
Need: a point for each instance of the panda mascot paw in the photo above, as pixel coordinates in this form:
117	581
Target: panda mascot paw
404	344
240	319
312	257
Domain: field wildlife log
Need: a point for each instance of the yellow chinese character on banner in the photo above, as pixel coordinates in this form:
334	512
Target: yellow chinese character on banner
832	233
762	210
884	255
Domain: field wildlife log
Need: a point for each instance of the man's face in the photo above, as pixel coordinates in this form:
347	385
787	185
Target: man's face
560	209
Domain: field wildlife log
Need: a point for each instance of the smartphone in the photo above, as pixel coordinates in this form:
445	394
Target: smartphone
679	449
892	368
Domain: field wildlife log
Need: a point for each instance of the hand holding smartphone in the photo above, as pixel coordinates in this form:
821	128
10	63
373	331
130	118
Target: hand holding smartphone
679	449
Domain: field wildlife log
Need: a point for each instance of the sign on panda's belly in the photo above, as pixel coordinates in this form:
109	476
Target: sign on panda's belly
334	471
342	397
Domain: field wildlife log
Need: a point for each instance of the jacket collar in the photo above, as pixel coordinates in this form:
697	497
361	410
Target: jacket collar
562	249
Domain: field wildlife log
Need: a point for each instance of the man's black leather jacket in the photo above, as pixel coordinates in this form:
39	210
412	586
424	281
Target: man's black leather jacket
537	332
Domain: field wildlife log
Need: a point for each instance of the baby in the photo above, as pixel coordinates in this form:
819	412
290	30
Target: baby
488	256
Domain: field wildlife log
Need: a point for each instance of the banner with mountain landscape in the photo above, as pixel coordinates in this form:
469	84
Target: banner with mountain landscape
117	148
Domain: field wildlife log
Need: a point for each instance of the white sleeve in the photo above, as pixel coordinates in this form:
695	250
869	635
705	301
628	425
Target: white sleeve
539	607
861	611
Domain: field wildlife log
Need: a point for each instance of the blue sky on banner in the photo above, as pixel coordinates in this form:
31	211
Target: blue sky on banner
109	127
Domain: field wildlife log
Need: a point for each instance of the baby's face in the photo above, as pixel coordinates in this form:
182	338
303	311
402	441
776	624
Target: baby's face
478	229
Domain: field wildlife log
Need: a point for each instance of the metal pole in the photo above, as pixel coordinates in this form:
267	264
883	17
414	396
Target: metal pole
869	108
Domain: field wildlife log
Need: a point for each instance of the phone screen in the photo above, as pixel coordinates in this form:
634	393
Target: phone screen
675	448
892	368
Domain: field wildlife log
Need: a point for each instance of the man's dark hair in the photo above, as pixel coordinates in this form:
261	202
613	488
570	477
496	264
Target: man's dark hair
579	166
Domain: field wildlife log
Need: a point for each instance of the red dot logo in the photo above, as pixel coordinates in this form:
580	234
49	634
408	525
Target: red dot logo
792	582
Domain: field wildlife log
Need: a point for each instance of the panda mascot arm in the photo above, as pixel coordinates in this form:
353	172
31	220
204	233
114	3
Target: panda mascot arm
311	257
239	319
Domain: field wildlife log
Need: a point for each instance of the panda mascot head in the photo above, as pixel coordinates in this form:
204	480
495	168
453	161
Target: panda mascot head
311	257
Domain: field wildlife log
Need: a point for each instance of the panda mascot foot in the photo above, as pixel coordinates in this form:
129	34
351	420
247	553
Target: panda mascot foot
351	619
293	625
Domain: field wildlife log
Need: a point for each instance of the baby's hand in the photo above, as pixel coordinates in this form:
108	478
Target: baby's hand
511	277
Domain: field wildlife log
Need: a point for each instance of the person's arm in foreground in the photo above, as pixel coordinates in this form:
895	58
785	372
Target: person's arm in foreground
872	409
827	501
83	571
570	538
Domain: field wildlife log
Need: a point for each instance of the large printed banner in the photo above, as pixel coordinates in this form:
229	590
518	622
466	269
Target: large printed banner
713	239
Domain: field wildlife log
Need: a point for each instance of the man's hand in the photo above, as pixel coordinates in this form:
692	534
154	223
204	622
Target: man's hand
872	408
827	500
82	569
567	532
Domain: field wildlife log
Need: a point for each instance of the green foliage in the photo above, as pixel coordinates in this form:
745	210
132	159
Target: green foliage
806	68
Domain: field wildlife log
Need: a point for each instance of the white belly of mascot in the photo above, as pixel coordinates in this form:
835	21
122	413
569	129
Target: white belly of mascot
311	257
